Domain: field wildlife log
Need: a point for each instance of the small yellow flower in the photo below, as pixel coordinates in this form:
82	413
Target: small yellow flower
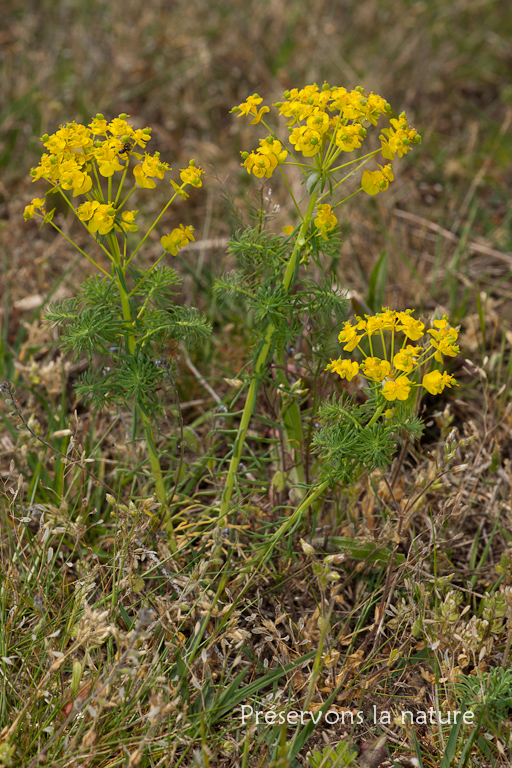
410	327
141	179
399	138
153	166
443	339
191	175
263	165
326	220
119	127
129	224
397	390
306	140
374	182
86	210
349	337
37	203
72	177
405	360
178	238
271	146
103	219
107	160
349	137
435	381
376	369
318	121
347	369
98	126
250	107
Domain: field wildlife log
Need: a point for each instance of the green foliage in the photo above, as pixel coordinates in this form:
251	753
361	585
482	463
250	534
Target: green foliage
341	756
133	378
488	694
348	442
256	250
258	283
92	323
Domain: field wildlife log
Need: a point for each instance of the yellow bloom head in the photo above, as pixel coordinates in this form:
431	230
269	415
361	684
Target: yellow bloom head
398	389
435	381
347	369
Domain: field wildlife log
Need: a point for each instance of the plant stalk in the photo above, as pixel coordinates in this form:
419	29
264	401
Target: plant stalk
250	402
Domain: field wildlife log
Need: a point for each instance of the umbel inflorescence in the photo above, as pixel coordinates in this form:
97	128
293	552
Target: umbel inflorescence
353	438
392	369
80	156
325	125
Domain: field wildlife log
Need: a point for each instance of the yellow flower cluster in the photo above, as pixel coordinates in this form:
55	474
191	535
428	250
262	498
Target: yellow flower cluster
373	182
78	153
319	117
397	140
264	160
392	375
179	238
325	220
73	148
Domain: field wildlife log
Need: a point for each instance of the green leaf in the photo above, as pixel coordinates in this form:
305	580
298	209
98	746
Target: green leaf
377	283
311	181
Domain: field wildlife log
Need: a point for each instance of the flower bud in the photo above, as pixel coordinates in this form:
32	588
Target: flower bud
307	548
76	677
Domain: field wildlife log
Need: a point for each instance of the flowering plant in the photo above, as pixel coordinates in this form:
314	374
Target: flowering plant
364	437
327	124
356	438
125	312
324	128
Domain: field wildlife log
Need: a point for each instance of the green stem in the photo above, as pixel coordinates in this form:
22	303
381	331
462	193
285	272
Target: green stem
72	242
292	422
261	360
156	470
293	520
377	414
